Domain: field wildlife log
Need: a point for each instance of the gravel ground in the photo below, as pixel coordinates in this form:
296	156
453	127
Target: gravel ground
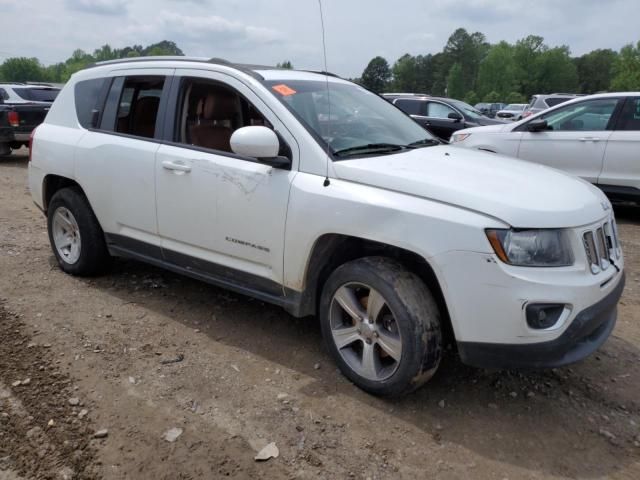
129	356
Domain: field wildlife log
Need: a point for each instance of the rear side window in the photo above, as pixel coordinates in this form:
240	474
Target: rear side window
39	94
553	101
3	94
630	116
138	106
87	98
410	107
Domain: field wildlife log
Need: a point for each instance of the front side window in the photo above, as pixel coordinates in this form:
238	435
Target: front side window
630	116
349	118
439	110
593	115
210	112
138	106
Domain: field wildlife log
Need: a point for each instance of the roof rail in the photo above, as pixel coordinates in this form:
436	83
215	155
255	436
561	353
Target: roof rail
12	83
248	69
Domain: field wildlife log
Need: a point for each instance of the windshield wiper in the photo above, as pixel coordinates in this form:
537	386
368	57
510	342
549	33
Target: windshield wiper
425	142
374	147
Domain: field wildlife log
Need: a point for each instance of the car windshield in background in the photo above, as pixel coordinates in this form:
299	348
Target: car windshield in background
37	94
351	120
468	110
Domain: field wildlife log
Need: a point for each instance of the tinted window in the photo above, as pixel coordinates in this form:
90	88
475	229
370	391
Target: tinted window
3	94
553	101
37	94
138	106
87	96
439	110
593	115
410	107
630	117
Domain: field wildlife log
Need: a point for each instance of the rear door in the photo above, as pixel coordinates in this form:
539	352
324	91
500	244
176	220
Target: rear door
622	158
115	159
575	140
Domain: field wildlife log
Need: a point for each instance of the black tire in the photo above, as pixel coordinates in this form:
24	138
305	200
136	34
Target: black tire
5	150
94	257
416	314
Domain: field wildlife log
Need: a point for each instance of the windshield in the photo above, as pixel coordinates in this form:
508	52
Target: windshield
37	94
515	106
355	122
468	110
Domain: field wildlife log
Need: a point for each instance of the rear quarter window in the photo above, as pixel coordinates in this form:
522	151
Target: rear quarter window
552	102
88	95
39	94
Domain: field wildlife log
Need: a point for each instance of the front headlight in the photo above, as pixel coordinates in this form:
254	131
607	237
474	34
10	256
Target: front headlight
532	248
459	137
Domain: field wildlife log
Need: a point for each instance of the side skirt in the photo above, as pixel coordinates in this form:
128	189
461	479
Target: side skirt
214	274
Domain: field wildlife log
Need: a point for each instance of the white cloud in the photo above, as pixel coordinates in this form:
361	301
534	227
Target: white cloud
99	7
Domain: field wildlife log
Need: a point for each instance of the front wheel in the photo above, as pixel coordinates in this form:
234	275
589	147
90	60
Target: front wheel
381	326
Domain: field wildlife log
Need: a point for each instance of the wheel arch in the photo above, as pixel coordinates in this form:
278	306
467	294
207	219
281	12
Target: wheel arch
53	183
332	250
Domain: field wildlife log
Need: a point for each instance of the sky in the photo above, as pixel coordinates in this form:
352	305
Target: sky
271	31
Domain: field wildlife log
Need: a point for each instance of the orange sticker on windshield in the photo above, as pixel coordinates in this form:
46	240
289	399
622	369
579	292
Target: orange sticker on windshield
284	90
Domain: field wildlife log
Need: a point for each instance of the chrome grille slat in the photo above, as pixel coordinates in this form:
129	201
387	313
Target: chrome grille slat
601	246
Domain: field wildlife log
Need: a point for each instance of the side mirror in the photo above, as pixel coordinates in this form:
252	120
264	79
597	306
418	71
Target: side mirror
537	125
259	142
455	116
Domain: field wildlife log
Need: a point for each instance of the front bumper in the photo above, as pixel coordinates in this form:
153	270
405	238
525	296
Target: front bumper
586	333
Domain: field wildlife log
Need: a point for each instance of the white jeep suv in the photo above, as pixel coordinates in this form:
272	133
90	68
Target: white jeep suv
310	192
596	138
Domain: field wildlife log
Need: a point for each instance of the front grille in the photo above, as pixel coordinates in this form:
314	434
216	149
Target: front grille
602	247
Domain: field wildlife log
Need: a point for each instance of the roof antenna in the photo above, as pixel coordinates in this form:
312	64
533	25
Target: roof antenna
326	70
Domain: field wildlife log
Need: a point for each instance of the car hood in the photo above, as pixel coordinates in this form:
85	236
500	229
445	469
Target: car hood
497	128
521	194
488	121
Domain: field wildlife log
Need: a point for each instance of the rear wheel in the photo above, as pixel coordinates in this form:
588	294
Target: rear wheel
381	325
76	238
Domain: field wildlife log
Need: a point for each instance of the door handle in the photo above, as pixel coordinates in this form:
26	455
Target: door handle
589	139
177	166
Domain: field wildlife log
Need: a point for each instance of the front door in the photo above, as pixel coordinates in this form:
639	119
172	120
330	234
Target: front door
575	139
220	213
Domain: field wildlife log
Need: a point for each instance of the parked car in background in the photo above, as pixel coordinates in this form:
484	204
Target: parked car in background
540	103
512	112
441	116
490	109
230	174
22	108
596	138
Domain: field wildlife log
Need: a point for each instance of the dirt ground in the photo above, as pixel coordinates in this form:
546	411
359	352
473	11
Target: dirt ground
82	355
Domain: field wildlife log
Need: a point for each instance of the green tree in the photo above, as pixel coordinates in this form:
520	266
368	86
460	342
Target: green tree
627	69
22	69
492	97
286	64
377	75
526	53
515	97
455	82
405	74
467	50
595	70
471	98
165	47
497	71
555	71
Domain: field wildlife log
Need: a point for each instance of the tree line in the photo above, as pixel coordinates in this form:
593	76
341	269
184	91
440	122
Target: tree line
472	69
23	69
